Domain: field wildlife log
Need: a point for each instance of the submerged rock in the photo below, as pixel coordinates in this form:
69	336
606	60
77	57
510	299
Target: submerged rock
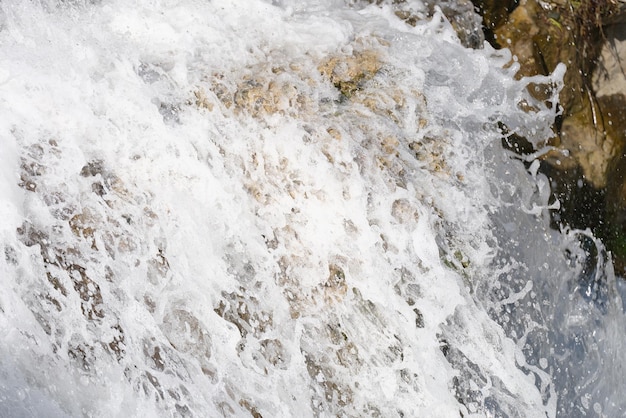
460	13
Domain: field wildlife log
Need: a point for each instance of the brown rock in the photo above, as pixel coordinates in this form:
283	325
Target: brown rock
544	34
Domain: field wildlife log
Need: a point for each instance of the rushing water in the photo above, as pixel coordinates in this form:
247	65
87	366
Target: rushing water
284	208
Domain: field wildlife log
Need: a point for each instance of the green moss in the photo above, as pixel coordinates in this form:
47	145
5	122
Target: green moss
456	261
616	244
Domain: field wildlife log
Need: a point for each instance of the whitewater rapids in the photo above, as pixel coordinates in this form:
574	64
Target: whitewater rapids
254	208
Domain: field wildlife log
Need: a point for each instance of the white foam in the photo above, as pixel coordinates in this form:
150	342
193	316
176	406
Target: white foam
312	260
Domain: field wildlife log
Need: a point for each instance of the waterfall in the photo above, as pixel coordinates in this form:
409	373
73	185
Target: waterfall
255	208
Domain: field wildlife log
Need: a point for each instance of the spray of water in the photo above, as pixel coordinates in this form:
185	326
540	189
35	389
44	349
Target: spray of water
279	209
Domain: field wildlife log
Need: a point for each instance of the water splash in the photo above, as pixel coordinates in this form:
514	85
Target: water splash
274	209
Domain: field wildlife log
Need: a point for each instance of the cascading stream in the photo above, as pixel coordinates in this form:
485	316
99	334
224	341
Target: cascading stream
283	208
